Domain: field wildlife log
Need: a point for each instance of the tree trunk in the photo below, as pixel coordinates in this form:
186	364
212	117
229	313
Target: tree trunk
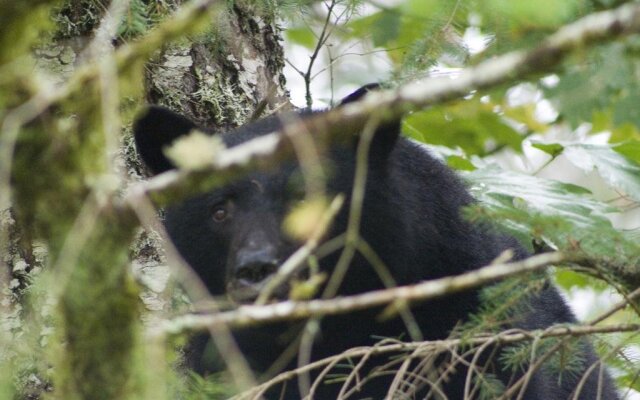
63	219
220	78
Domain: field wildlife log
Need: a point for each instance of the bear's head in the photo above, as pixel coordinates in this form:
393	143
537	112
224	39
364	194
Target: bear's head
233	235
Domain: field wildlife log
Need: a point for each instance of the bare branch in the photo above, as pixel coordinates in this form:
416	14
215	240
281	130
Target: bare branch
324	36
437	346
287	310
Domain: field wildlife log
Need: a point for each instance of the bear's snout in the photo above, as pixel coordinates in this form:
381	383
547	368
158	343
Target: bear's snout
255	272
250	271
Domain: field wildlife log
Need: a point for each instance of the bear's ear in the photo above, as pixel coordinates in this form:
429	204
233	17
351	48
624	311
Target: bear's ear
358	94
386	135
156	129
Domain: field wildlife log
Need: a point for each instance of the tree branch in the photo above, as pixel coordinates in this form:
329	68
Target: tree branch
253	314
437	346
343	122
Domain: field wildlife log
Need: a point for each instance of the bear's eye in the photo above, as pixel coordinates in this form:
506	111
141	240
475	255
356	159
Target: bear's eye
221	211
219	215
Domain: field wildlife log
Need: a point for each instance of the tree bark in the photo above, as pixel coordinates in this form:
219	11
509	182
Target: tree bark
62	220
220	78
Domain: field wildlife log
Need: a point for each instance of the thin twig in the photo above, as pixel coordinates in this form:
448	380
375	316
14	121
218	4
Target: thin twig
508	337
297	259
324	35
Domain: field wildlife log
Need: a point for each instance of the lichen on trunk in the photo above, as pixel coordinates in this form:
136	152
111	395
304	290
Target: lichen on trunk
64	187
219	77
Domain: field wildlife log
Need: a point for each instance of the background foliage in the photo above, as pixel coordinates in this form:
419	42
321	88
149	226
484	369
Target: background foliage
556	160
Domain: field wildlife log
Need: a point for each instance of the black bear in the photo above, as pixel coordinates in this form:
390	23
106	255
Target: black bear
233	238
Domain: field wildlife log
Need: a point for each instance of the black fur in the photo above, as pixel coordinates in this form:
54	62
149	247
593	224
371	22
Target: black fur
411	218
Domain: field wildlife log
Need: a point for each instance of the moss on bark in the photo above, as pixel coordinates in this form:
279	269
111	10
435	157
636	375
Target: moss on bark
99	320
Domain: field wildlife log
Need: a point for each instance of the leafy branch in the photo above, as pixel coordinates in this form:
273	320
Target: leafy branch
348	120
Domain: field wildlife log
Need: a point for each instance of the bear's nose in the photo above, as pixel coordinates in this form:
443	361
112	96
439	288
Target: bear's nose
256	272
254	266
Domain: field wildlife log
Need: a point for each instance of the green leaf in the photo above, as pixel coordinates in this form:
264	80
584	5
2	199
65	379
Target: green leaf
511	190
622	132
601	121
428	9
568	279
516	25
302	36
605	81
470	125
617	170
415	33
366	26
553	149
525	114
386	28
543	13
629	149
562	215
135	21
460	163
